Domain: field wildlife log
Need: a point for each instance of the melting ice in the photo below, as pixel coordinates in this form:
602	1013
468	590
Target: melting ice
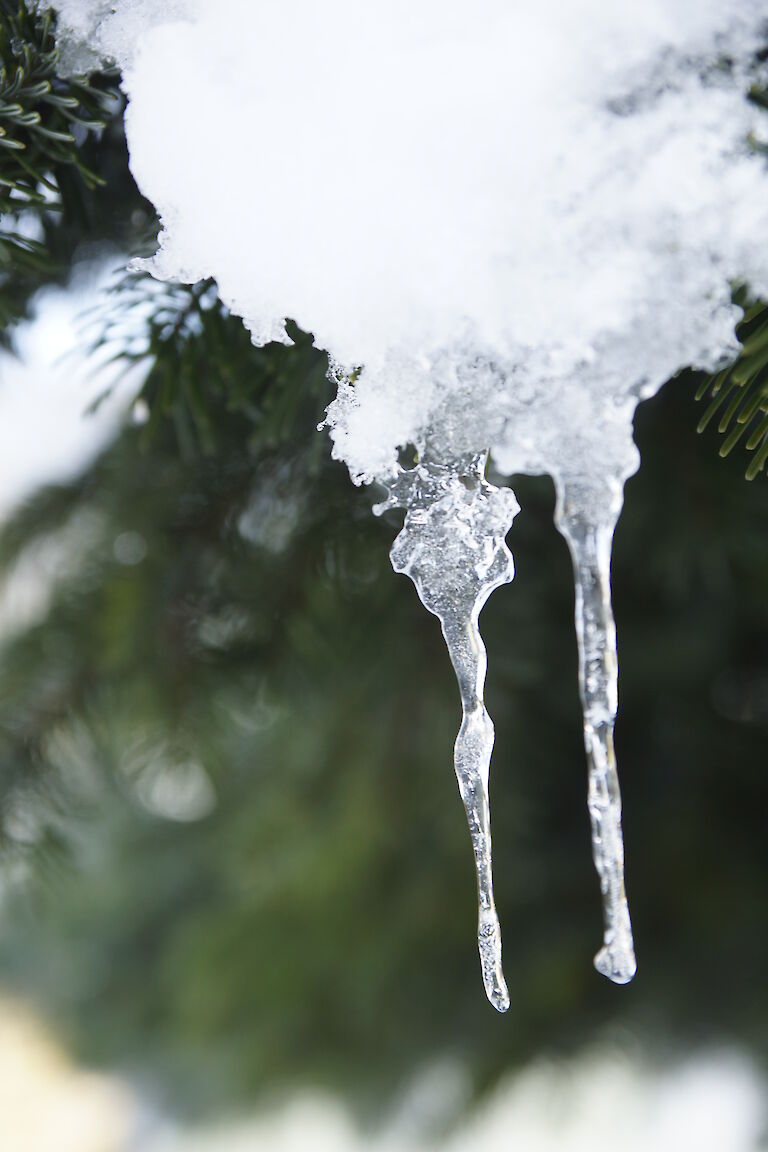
452	547
507	224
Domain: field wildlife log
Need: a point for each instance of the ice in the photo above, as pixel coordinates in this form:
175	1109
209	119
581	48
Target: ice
452	547
590	544
507	224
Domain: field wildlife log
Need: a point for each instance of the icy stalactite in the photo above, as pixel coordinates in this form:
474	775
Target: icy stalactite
589	539
452	546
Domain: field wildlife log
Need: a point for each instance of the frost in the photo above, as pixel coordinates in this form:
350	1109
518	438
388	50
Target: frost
507	225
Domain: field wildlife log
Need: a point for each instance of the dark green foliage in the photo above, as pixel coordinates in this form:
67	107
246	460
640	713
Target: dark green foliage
61	142
203	373
739	394
41	115
315	927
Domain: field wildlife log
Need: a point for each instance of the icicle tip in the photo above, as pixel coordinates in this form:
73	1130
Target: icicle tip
619	966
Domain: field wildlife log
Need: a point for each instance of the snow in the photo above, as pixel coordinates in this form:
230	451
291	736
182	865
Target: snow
449	188
606	1096
48	433
601	1099
507	224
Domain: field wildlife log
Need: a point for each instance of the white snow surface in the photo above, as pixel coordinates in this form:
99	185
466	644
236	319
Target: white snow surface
516	219
48	432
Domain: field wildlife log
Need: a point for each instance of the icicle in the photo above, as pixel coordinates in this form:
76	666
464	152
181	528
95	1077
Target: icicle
589	538
452	547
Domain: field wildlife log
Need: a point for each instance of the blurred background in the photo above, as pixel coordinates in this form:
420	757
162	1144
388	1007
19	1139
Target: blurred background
237	900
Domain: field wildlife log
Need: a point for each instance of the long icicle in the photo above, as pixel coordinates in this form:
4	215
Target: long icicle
472	761
452	546
590	546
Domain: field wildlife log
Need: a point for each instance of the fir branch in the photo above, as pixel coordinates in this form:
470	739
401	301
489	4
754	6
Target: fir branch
204	377
46	125
738	396
44	118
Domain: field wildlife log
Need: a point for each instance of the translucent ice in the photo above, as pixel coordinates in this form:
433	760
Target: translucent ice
452	547
512	221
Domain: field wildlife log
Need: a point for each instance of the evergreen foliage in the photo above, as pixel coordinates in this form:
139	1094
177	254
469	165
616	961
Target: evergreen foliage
739	394
63	168
40	112
237	615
